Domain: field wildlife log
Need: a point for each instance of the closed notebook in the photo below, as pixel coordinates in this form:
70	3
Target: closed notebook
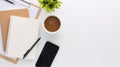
23	32
5	17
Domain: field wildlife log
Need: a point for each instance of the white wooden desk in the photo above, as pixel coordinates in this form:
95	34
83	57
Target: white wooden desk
89	37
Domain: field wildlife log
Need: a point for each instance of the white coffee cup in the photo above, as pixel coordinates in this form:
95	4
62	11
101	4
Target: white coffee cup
52	24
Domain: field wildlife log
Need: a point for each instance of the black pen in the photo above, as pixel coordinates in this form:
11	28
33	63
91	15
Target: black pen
9	1
25	1
28	51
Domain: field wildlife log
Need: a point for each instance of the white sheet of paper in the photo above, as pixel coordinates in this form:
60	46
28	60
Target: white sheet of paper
1	44
7	6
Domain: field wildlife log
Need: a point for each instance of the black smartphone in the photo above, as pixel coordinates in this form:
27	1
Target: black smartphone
47	55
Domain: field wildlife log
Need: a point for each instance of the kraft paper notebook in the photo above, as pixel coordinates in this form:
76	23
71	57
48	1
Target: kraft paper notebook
5	17
4	20
23	32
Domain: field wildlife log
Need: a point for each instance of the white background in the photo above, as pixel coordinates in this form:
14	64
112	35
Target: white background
89	36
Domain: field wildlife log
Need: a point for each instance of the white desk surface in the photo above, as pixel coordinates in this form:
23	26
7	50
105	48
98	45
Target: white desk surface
89	37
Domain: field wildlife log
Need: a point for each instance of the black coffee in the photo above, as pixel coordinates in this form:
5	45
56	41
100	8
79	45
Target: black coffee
52	23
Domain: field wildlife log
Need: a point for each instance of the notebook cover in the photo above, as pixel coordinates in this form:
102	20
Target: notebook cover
23	33
5	18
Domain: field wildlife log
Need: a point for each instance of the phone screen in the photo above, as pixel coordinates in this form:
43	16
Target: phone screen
47	55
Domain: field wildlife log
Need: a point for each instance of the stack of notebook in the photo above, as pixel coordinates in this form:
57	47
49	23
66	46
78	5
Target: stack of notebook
18	33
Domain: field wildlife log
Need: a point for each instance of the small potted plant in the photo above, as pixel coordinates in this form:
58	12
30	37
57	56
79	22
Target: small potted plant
50	5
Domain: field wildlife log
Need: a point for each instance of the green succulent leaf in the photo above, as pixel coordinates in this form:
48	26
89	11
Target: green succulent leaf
50	5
